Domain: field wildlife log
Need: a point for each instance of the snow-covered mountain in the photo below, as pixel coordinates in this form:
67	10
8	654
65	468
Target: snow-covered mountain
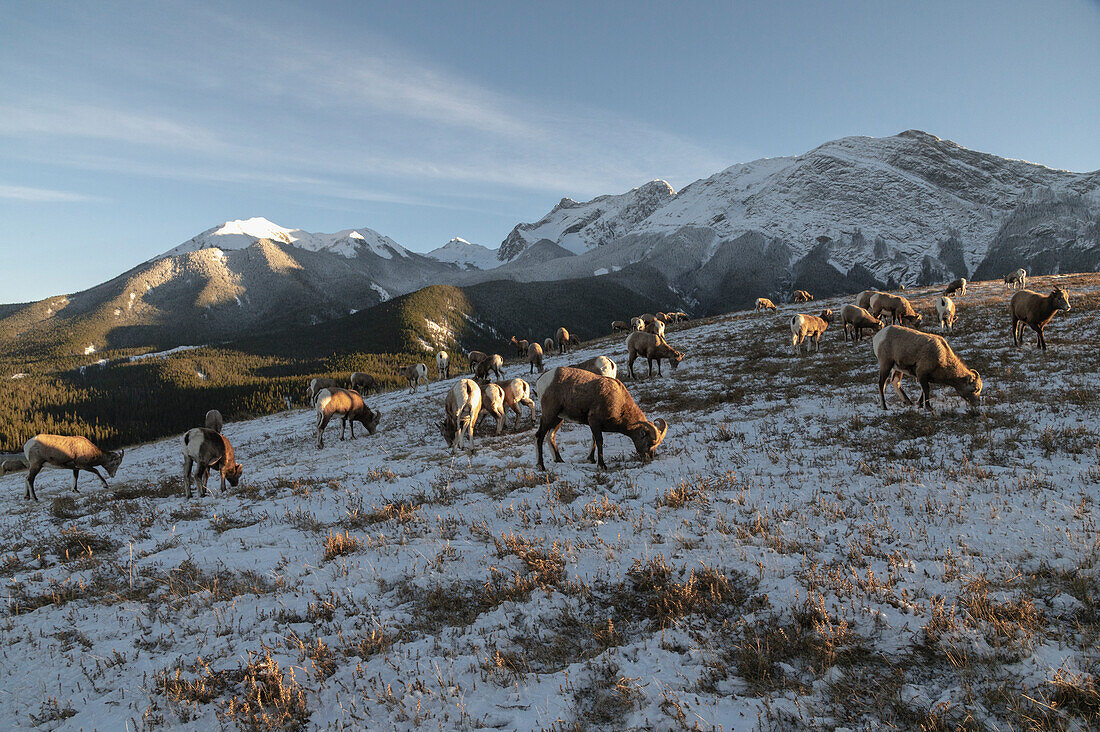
466	255
244	233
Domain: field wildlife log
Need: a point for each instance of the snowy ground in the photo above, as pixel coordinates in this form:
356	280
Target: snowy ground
794	557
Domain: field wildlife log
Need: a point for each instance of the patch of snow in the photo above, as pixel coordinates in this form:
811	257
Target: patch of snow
600	271
243	233
20	375
89	350
466	254
381	292
162	354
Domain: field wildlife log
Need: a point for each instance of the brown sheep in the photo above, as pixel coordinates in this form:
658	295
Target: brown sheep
809	326
517	392
855	320
956	286
1028	306
655	326
534	357
316	385
617	325
494	363
205	449
442	365
602	403
548	346
652	348
72	453
476	357
360	382
351	408
802	296
463	405
900	309
563	341
492	401
863	300
521	346
763	303
945	310
601	365
926	357
416	374
1017	279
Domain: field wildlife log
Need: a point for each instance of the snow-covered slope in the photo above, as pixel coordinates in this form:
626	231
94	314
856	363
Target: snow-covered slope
466	254
244	233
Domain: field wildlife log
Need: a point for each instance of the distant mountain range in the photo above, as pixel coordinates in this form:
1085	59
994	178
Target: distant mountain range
852	213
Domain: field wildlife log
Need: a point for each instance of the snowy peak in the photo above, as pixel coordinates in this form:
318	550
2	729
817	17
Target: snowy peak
243	233
579	227
466	254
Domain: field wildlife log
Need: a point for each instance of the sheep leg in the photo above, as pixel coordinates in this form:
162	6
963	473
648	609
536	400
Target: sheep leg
76	477
204	475
630	363
1042	338
31	475
321	424
187	462
343	425
884	373
352	422
898	376
548	426
650	361
926	394
597	445
97	474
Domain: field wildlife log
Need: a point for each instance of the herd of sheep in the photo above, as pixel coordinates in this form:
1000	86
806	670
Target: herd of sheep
589	392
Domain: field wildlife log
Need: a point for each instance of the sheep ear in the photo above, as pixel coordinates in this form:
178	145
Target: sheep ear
662	429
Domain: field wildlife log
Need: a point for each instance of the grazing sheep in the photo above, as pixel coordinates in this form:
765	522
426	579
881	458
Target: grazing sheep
657	327
492	401
680	316
664	318
647	317
214	420
863	300
1028	306
442	365
602	403
521	346
763	303
637	324
900	309
617	325
601	365
562	337
71	453
517	392
855	320
206	449
802	296
945	309
362	383
316	385
476	357
809	326
493	363
652	348
548	346
463	406
416	374
1017	279
351	408
926	357
957	286
534	357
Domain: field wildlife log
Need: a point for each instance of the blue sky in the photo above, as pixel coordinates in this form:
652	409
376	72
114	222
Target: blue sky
126	128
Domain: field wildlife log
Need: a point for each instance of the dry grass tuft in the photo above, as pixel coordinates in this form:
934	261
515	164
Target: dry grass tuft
337	545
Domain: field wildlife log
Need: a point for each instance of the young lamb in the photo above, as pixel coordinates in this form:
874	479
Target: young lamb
360	382
809	326
72	453
463	406
416	374
316	385
802	296
652	348
1028	306
563	340
351	408
1017	279
602	403
534	357
900	309
863	300
476	357
442	365
957	286
521	346
206	449
493	363
492	401
517	392
763	303
655	326
214	420
945	309
926	357
601	365
856	320
617	325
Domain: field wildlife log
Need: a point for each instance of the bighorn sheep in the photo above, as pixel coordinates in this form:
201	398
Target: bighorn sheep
316	385
763	303
958	286
680	316
548	346
863	300
1017	279
360	382
517	392
855	320
652	348
534	357
205	449
900	309
1028	306
809	326
214	420
655	326
463	406
493	363
442	365
563	339
945	309
351	408
602	403
521	346
416	374
601	365
926	357
476	357
617	325
492	401
71	453
802	296
637	324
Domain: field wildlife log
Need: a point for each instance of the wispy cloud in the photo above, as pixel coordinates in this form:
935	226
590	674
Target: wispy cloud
43	195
